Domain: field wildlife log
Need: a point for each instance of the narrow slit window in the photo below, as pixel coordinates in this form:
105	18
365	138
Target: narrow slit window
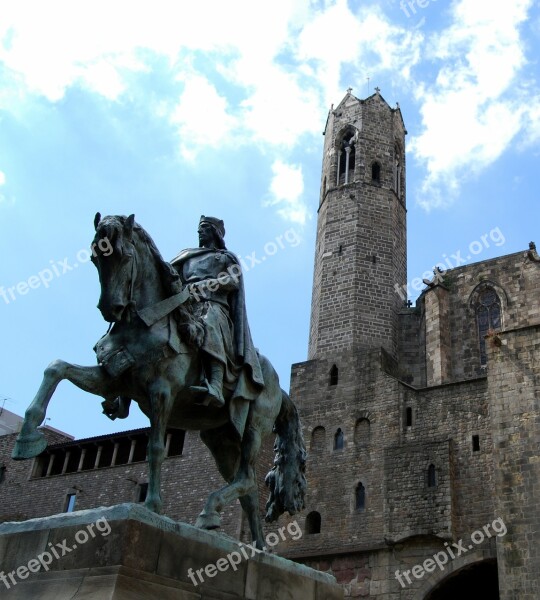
432	477
143	492
70	503
376	172
476	443
408	416
360	497
334	375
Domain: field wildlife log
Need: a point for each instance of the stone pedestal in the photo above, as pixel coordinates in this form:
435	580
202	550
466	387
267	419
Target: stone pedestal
126	552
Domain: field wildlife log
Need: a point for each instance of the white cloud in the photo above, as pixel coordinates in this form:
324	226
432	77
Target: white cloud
286	189
201	116
474	109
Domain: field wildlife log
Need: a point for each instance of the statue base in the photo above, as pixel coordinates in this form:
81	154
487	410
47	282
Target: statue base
126	552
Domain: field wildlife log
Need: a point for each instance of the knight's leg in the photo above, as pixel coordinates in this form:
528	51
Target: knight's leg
212	392
215	387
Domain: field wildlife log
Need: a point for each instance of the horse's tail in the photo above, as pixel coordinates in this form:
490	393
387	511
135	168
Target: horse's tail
287	480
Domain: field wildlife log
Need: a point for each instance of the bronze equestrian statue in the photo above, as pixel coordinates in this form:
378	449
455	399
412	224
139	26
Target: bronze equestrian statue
179	345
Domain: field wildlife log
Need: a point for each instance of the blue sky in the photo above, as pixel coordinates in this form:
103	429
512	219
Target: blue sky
170	110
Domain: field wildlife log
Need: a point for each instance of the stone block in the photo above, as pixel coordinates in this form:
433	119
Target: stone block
126	552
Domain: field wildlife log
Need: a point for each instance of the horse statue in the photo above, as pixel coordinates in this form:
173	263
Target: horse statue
152	355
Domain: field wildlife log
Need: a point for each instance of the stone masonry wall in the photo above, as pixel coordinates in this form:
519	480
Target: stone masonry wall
514	389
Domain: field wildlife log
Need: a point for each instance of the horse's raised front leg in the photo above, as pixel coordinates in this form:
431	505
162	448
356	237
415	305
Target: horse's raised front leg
95	380
244	486
160	410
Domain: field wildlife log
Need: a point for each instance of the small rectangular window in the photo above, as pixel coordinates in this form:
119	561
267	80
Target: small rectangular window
2	474
408	416
70	503
476	443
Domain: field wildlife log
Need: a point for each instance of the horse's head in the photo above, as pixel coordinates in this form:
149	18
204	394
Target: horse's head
114	255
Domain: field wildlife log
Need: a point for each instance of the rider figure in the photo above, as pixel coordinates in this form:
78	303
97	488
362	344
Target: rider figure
230	360
213	275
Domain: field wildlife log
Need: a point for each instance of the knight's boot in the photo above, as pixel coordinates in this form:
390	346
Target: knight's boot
117	408
215	385
212	389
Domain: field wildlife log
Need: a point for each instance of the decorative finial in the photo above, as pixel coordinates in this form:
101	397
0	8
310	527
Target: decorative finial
378	90
349	90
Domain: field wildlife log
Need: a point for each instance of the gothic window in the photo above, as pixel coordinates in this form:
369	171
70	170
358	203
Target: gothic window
376	172
346	159
361	431
431	476
313	523
338	440
334	372
318	438
488	318
360	497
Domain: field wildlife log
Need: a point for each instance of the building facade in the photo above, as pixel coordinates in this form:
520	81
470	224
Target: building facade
422	422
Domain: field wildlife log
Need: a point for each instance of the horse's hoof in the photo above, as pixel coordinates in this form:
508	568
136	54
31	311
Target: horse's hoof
208	520
29	446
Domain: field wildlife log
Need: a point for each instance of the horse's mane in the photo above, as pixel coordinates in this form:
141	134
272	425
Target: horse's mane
169	277
190	328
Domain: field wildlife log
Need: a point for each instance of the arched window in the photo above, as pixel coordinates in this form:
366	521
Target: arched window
313	523
318	438
338	439
488	318
360	497
376	172
361	432
334	373
431	476
346	158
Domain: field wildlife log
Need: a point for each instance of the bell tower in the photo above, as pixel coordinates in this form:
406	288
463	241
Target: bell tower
360	255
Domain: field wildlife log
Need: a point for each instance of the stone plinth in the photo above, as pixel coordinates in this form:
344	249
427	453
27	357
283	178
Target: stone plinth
126	552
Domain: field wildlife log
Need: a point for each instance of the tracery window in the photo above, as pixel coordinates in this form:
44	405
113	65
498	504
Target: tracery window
346	159
488	318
